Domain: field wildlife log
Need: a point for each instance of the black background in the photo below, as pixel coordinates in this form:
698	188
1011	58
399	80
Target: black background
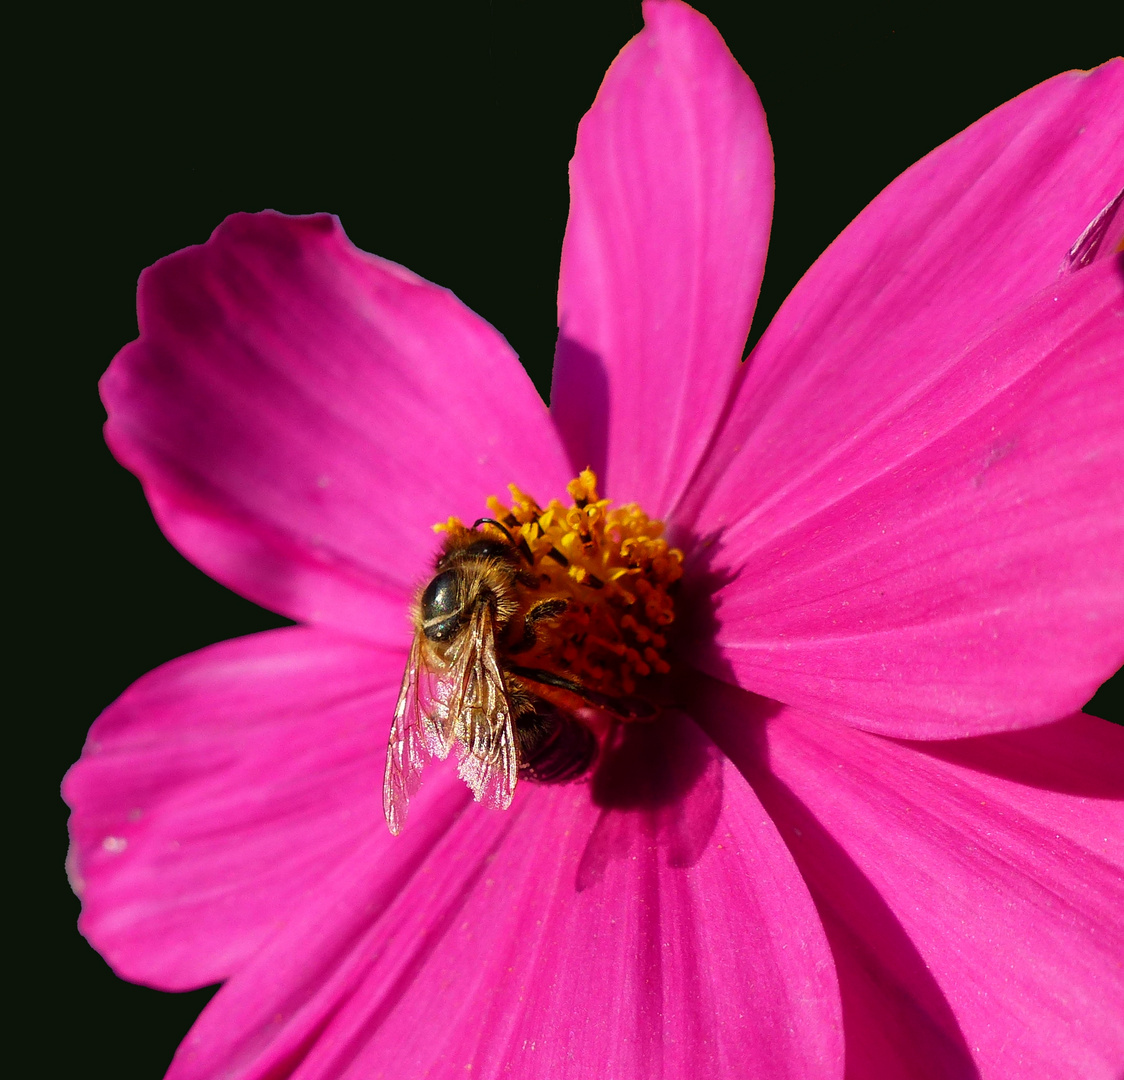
440	136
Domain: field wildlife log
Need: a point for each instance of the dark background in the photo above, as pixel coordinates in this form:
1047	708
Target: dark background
440	137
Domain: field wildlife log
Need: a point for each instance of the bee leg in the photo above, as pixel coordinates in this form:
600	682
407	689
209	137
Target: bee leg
544	609
627	708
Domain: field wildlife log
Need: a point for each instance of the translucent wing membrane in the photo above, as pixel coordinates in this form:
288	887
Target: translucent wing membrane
484	728
421	730
460	699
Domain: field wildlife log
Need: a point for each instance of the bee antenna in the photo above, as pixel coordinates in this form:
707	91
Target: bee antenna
492	521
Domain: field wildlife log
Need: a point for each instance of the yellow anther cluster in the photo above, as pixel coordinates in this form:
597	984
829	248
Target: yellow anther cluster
614	569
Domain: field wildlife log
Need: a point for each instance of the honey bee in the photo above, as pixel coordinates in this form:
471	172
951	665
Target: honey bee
463	688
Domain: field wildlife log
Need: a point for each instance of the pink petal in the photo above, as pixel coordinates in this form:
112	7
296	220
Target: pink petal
671	198
955	567
301	413
972	890
219	790
665	933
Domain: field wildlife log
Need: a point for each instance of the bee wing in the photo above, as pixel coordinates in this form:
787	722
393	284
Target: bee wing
480	709
422	729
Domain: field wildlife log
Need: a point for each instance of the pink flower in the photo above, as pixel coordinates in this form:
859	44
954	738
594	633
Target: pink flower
903	523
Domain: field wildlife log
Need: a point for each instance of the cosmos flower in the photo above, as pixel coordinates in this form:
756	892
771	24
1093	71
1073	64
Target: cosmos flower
874	835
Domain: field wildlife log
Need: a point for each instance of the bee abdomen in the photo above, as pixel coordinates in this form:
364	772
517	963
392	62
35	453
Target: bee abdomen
556	748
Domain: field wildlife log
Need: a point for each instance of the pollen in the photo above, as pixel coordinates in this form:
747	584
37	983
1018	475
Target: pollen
616	574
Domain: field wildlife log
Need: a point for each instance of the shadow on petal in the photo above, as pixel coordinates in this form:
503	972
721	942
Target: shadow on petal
874	955
1067	756
659	785
875	958
584	422
697	616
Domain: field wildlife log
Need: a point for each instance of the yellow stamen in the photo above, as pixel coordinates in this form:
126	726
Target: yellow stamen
614	569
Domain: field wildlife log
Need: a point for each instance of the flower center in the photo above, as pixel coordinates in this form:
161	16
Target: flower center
604	576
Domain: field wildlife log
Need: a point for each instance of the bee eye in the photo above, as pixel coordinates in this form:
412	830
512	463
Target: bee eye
441	607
